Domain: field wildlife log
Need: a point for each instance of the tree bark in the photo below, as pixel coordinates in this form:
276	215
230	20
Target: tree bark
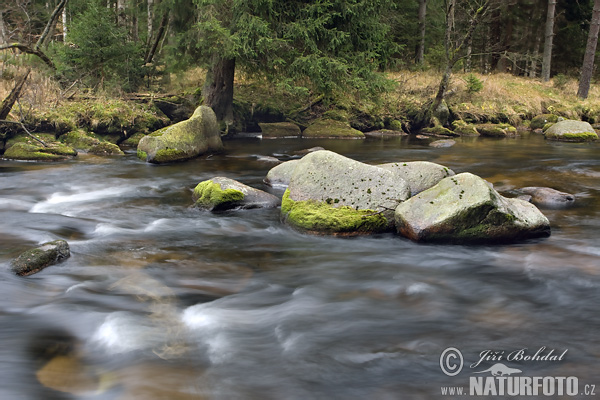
64	23
13	96
159	35
3	38
51	22
420	58
590	53
218	89
547	57
536	53
150	22
121	17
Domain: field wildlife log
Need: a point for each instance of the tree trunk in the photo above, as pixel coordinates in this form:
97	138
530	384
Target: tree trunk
50	25
218	89
547	58
150	22
536	53
3	38
590	53
121	17
13	96
64	24
420	58
159	35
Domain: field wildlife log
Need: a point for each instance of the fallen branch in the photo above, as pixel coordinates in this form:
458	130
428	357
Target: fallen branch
25	129
26	49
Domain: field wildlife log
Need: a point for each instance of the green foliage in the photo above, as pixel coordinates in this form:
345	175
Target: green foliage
474	84
99	53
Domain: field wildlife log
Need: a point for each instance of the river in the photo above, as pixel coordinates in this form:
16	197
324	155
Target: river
162	301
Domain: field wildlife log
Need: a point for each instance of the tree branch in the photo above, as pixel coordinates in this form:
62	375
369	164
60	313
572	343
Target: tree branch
26	49
51	22
5	121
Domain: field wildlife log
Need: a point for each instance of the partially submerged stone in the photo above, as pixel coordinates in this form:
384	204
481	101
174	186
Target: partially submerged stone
275	130
183	140
571	131
540	121
438	130
37	152
420	175
461	128
329	128
332	194
465	209
79	140
280	175
220	193
548	197
496	130
438	144
34	260
106	149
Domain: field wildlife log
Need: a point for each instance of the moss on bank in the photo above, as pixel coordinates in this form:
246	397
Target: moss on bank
322	218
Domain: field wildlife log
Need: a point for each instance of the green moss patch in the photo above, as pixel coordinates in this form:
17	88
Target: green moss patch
541	120
209	195
328	128
37	152
322	218
574	137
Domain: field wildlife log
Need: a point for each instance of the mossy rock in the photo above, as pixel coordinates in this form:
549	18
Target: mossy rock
328	128
133	140
317	217
462	128
571	131
34	260
37	152
437	130
395	125
540	121
275	130
466	209
106	149
496	130
183	140
220	193
79	140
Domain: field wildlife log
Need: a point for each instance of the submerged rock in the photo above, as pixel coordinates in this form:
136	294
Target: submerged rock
544	196
183	140
442	143
571	131
220	193
465	209
332	194
328	128
23	147
275	130
34	260
420	175
281	174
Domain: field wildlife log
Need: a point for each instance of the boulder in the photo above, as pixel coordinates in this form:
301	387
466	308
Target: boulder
466	209
304	152
35	260
105	149
219	194
419	175
548	197
280	175
329	128
275	130
496	130
332	194
79	140
571	131
540	121
463	129
183	140
442	143
438	130
35	151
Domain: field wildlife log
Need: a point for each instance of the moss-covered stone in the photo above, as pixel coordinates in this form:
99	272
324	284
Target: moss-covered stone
79	140
395	125
328	128
106	149
279	130
142	155
541	120
571	131
209	195
321	218
34	260
37	152
133	140
437	130
464	129
496	130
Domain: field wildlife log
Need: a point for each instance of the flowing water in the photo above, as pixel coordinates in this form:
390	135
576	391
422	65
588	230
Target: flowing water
162	301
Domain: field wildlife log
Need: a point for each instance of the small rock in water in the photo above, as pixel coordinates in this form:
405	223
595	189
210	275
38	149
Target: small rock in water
268	159
220	194
548	197
306	151
35	260
422	137
442	143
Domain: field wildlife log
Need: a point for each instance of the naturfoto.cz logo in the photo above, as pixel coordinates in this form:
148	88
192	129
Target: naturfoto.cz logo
500	379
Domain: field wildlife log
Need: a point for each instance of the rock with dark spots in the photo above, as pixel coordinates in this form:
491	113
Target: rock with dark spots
332	194
106	149
442	143
466	209
183	140
220	193
329	128
420	175
35	260
571	131
274	130
496	130
540	121
280	175
548	197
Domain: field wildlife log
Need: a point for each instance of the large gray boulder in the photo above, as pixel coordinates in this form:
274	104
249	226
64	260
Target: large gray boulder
419	175
466	209
35	260
571	131
280	175
183	140
332	194
548	197
220	193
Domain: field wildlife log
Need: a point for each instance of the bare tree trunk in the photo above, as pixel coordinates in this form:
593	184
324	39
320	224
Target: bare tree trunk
64	23
159	34
3	36
468	56
536	53
218	89
121	17
150	22
420	58
547	58
50	25
590	53
13	96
